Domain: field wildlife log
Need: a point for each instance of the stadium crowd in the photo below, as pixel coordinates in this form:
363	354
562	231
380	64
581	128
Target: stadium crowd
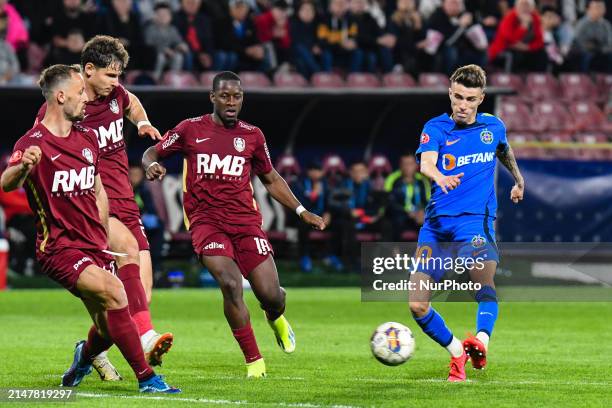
311	36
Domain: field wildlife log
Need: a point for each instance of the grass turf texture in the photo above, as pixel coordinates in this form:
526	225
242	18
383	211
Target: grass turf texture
542	354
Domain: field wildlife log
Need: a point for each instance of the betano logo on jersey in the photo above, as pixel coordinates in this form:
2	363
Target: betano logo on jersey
71	180
229	165
112	134
449	161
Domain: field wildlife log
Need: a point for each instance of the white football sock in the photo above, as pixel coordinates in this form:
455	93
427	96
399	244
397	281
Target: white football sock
484	337
102	354
455	348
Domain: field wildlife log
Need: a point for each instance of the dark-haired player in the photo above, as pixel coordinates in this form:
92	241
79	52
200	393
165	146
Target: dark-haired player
57	161
220	154
102	60
457	153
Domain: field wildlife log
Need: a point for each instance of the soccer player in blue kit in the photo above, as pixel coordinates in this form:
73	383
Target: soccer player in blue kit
457	153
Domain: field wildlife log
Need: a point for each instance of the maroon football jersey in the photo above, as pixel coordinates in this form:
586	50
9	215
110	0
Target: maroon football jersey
105	117
60	188
217	169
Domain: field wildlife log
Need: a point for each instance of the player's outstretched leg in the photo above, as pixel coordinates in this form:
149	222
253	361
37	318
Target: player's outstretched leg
265	285
432	324
107	303
228	276
154	344
477	346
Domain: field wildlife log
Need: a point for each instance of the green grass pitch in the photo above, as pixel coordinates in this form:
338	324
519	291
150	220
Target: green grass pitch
541	354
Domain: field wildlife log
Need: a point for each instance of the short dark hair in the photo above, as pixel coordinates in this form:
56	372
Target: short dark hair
162	5
224	76
54	75
470	76
103	51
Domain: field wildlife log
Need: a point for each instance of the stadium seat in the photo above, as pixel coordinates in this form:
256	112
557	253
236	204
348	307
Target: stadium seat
289	80
206	79
587	116
137	77
333	168
591	137
433	80
557	137
550	115
519	138
180	79
379	168
398	80
515	114
326	80
577	87
288	166
541	86
604	85
506	80
254	80
362	80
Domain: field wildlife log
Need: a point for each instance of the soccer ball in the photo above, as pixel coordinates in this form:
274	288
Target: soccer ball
392	343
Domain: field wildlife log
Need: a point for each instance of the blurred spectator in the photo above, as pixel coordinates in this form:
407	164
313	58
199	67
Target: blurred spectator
454	37
551	21
145	8
520	33
593	39
488	13
238	47
312	191
166	39
375	46
273	31
409	192
9	65
354	207
427	7
122	22
16	32
337	35
303	31
151	221
71	16
406	25
71	53
196	30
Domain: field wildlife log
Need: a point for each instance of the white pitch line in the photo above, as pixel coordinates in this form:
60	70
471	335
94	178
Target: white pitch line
485	382
211	401
229	377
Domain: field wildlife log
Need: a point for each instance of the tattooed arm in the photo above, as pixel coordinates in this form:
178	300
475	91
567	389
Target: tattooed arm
506	157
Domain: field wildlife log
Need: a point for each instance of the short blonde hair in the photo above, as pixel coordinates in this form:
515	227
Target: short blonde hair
470	76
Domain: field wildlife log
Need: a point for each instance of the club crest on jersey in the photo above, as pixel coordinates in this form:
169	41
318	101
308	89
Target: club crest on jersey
486	136
239	144
88	155
114	106
424	138
478	241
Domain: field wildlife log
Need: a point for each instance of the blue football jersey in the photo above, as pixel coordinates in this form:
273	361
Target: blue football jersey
469	150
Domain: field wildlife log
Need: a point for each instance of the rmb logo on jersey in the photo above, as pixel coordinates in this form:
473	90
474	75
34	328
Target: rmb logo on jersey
67	181
486	136
424	138
239	144
114	106
112	134
88	155
478	241
229	165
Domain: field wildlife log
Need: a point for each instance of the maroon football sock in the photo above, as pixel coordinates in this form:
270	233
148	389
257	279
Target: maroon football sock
94	345
137	299
124	334
246	339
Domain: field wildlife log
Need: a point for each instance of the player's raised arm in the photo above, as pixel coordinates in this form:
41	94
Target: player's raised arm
280	191
429	168
101	202
14	176
136	114
506	157
153	169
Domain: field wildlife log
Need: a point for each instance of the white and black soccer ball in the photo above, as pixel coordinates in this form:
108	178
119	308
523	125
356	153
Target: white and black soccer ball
392	343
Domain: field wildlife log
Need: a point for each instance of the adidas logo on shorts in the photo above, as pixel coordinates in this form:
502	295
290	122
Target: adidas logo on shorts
214	245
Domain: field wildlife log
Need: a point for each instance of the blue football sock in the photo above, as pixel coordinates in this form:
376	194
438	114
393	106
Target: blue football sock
433	325
487	309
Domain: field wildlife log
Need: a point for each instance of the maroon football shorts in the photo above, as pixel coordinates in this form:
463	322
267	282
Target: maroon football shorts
65	266
126	211
247	245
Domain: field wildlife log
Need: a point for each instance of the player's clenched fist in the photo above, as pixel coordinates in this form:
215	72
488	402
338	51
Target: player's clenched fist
31	157
314	220
155	171
448	183
516	194
149	131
